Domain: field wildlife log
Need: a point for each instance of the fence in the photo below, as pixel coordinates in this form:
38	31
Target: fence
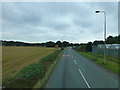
112	52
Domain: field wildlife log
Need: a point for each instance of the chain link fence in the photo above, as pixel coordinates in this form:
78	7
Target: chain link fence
111	52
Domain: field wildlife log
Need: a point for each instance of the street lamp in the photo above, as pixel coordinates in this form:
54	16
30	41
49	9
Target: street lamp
104	32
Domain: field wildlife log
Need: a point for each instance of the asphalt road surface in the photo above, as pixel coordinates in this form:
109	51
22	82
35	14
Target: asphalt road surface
76	71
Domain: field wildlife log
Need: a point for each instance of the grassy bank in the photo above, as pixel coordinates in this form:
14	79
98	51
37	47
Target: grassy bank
29	76
42	82
110	65
15	59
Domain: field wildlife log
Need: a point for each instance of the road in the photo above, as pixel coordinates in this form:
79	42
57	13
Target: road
76	71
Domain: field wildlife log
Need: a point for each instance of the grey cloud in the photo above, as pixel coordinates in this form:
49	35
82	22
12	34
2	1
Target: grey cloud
119	18
84	24
37	22
16	15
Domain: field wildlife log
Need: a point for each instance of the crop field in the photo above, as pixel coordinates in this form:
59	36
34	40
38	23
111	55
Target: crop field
16	58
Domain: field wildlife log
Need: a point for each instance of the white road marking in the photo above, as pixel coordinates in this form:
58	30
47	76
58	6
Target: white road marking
69	52
75	62
84	78
65	55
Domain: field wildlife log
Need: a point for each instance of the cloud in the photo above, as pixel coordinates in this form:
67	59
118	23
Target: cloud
44	21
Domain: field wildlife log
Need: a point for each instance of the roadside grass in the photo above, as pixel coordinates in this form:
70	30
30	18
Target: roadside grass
15	59
41	83
110	64
29	76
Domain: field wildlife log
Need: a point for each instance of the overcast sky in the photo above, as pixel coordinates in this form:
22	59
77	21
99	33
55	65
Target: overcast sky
53	21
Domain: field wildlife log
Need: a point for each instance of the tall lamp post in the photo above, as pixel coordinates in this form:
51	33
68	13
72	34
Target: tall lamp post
104	33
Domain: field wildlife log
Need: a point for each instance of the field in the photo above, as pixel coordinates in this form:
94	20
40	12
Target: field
16	58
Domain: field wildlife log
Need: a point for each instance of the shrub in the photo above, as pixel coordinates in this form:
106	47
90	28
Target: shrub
51	56
28	76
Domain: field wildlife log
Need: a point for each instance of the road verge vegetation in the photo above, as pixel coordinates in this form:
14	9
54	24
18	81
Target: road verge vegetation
30	75
110	64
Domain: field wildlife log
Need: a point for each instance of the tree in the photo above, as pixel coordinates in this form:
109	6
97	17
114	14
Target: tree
110	40
98	42
89	47
118	40
59	43
65	43
50	44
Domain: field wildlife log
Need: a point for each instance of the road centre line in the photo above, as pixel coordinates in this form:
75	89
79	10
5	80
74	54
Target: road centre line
75	62
84	78
70	53
80	72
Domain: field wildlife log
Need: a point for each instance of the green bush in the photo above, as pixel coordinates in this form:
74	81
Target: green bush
31	70
28	76
51	56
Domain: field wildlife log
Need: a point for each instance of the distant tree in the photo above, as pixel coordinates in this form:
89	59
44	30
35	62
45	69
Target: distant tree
118	40
71	44
110	40
76	44
65	43
43	44
50	44
98	42
113	40
59	43
89	47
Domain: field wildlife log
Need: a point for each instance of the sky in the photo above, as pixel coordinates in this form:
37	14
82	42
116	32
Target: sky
75	22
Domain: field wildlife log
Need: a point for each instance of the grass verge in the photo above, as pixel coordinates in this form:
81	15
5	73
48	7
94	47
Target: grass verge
29	76
110	65
41	82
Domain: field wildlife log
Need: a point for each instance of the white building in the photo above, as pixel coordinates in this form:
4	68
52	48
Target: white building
112	46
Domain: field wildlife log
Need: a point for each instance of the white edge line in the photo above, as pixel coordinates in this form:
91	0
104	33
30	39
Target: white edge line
75	62
84	78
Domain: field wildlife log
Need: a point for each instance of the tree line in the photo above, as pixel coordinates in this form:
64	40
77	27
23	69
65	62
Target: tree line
46	44
88	46
109	40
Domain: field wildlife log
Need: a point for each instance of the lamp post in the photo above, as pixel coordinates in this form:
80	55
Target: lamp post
104	33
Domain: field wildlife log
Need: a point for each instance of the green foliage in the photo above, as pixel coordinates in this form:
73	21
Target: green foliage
84	47
27	76
80	48
31	70
62	48
51	56
96	42
113	40
113	66
88	47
